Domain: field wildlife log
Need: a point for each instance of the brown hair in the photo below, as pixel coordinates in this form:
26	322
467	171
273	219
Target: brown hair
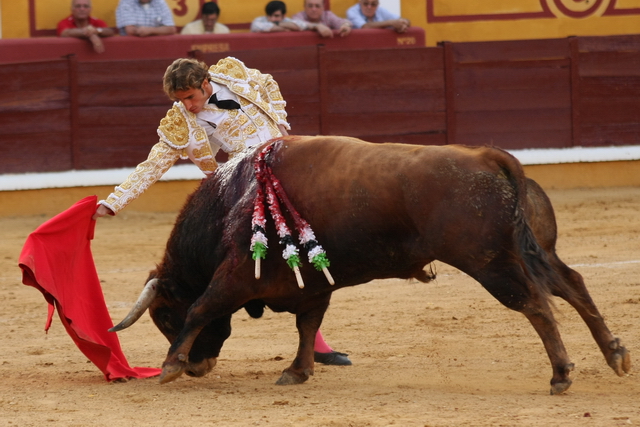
184	74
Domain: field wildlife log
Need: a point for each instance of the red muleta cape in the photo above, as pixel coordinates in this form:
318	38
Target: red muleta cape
56	259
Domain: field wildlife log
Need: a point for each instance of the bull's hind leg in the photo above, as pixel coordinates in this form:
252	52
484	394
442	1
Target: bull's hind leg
570	285
545	325
575	293
509	286
308	322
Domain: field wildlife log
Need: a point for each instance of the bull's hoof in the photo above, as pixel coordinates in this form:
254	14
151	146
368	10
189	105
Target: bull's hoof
171	372
288	378
620	359
201	369
560	386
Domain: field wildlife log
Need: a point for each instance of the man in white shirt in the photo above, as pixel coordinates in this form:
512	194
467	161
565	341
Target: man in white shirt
275	20
369	14
209	24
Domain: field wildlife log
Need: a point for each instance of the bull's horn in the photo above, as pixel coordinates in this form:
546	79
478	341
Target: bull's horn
144	301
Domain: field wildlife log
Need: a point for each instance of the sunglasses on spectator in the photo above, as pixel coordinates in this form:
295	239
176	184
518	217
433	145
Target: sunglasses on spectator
372	4
80	6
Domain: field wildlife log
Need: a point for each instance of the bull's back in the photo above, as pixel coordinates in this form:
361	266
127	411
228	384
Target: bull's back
395	197
345	173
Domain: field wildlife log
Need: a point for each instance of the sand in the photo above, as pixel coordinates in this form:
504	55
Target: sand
439	354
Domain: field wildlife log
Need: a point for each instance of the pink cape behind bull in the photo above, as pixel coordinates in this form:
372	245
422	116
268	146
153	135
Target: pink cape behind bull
56	259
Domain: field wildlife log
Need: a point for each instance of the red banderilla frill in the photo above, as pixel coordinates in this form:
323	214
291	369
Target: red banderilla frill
269	186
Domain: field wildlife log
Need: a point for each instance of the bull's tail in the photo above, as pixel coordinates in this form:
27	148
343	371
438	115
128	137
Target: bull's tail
535	261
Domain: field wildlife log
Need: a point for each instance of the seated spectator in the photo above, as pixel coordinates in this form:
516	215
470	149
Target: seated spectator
322	21
208	24
368	14
275	20
144	18
82	25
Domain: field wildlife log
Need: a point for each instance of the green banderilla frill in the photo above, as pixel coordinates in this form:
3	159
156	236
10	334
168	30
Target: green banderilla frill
320	261
259	251
294	261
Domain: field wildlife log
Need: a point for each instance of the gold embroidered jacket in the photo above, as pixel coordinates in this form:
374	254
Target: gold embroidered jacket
181	137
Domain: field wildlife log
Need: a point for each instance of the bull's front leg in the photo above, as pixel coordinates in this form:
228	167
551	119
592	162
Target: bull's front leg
177	358
212	306
308	324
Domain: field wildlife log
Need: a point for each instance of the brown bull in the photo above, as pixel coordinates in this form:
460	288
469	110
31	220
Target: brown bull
379	211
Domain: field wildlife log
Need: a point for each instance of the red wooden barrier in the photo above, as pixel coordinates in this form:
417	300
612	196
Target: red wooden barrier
512	94
384	95
120	104
74	114
609	90
34	49
35	117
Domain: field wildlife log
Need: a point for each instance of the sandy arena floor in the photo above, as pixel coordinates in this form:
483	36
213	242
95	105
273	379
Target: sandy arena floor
439	354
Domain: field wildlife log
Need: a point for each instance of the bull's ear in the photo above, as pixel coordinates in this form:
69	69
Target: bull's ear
145	299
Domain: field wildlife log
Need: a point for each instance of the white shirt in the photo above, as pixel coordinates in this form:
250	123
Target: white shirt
211	117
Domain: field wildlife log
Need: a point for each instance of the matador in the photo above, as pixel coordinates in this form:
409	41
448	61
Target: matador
226	107
198	136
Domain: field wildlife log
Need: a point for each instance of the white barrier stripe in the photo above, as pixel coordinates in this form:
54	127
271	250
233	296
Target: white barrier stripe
606	264
88	178
551	156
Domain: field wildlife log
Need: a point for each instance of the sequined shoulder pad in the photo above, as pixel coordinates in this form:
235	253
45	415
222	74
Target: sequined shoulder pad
230	67
173	127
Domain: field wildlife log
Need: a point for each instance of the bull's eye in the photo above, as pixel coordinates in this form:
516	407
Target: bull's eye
163	318
167	320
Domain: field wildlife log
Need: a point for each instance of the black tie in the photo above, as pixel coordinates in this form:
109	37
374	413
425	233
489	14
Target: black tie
225	104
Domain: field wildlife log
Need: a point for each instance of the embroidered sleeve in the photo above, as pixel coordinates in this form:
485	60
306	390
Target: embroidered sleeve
277	101
270	92
160	159
249	83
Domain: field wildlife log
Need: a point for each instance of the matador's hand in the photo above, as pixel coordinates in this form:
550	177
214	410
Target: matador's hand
102	211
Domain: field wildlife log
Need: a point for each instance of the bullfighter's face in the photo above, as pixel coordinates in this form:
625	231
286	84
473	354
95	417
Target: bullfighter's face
194	99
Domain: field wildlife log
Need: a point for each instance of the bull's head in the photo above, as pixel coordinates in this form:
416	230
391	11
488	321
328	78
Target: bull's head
169	314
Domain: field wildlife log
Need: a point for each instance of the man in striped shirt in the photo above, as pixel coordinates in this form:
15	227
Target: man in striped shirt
144	18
